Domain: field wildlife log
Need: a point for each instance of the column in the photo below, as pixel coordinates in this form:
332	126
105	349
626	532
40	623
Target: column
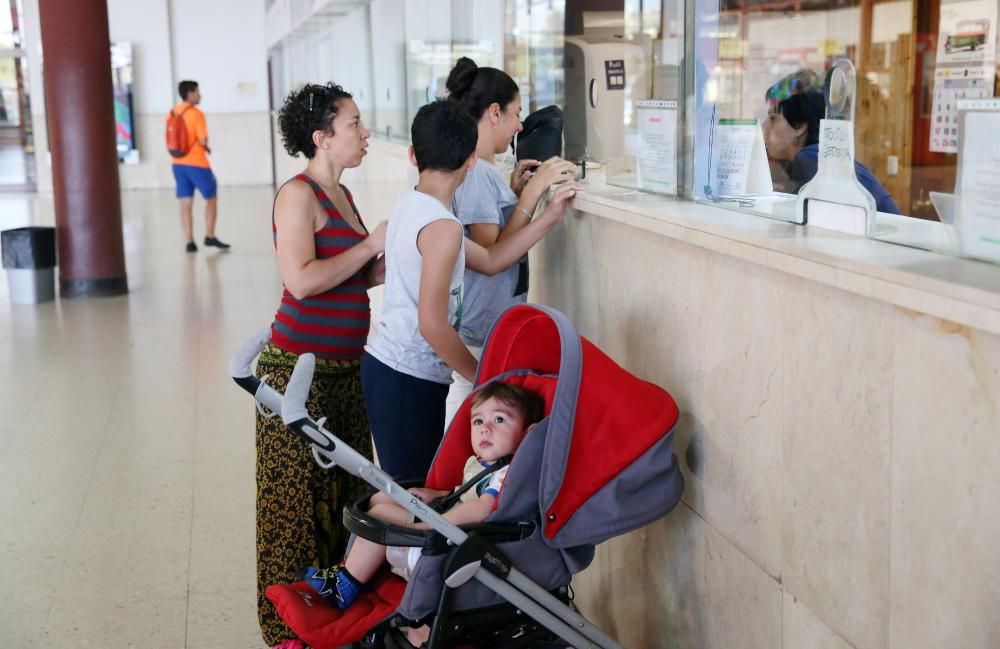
81	127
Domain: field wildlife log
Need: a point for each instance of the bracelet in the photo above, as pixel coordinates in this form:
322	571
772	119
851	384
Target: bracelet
521	209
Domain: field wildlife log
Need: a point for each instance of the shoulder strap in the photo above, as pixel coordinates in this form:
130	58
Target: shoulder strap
275	200
449	501
317	190
354	208
321	195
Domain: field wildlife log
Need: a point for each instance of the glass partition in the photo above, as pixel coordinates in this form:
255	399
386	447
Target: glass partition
716	99
533	52
651	156
428	52
388	42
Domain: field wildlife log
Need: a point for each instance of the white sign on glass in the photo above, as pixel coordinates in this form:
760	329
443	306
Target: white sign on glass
834	199
978	184
656	160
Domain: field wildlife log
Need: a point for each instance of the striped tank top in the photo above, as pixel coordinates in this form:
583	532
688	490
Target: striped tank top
334	324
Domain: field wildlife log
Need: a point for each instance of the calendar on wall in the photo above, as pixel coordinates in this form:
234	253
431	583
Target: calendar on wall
944	113
964	67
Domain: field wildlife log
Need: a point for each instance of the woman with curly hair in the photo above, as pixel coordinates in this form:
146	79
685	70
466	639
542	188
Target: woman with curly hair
328	260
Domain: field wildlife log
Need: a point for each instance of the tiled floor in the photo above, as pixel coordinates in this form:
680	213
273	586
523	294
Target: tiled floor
16	167
126	452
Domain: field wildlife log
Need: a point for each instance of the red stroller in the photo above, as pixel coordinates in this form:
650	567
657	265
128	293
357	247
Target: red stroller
598	465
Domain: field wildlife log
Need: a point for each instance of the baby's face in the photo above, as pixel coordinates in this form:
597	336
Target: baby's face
497	429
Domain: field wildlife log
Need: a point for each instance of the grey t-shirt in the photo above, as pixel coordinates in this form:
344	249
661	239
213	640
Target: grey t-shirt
397	341
484	197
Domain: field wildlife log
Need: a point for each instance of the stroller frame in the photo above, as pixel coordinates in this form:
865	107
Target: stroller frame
476	557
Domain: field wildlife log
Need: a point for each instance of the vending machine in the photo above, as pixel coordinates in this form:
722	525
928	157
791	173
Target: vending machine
604	79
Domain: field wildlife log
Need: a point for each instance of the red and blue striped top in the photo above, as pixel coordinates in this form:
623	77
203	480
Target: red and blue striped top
334	324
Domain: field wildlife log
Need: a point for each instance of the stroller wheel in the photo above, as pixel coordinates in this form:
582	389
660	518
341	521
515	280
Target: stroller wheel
374	640
395	639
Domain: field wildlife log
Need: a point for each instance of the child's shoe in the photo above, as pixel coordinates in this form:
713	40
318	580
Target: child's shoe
335	585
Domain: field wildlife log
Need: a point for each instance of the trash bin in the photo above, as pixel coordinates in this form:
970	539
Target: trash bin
29	256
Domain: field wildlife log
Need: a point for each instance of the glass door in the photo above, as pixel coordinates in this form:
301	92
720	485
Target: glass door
17	150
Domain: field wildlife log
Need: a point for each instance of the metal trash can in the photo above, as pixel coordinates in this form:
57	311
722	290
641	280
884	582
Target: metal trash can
29	256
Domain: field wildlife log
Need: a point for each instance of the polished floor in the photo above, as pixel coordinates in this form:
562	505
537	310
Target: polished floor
126	452
17	167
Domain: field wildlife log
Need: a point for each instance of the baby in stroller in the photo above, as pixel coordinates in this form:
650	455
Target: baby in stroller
501	415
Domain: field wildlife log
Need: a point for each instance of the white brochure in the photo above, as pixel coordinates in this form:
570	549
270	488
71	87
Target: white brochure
739	160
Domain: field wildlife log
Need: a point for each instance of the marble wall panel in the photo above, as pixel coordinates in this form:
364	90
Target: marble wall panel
679	584
836	460
801	629
740	338
705	328
564	273
945	485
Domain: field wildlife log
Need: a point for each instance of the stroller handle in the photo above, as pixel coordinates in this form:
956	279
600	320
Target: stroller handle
240	364
293	407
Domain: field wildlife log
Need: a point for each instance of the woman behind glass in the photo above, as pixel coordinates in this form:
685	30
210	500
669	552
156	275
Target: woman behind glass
488	207
791	137
328	260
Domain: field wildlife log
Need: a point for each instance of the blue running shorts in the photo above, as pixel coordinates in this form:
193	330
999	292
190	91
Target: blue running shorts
189	177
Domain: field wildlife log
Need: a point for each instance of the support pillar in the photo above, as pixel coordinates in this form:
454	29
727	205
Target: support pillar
81	125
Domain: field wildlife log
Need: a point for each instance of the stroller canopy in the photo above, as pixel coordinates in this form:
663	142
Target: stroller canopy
607	464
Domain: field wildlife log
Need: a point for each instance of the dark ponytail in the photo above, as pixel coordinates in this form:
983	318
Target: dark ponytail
476	88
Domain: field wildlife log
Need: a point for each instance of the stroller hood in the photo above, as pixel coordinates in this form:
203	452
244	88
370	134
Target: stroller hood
607	464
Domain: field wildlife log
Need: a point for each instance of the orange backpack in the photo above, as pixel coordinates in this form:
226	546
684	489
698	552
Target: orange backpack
177	135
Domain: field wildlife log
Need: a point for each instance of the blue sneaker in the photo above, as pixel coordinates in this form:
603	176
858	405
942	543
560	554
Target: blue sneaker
335	585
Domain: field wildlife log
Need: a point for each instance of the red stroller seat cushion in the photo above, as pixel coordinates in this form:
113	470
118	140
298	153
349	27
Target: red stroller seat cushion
323	626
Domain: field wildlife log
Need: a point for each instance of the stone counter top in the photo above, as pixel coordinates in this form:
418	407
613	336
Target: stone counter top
963	291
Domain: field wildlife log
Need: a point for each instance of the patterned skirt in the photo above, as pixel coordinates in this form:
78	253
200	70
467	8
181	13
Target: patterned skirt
299	504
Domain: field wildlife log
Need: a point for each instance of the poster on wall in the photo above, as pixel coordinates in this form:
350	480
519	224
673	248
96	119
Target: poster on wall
121	82
965	65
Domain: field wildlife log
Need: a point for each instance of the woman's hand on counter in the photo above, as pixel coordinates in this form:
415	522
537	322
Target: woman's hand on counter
552	171
555	211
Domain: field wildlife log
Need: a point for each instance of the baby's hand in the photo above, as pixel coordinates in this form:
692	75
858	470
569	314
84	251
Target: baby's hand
425	495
